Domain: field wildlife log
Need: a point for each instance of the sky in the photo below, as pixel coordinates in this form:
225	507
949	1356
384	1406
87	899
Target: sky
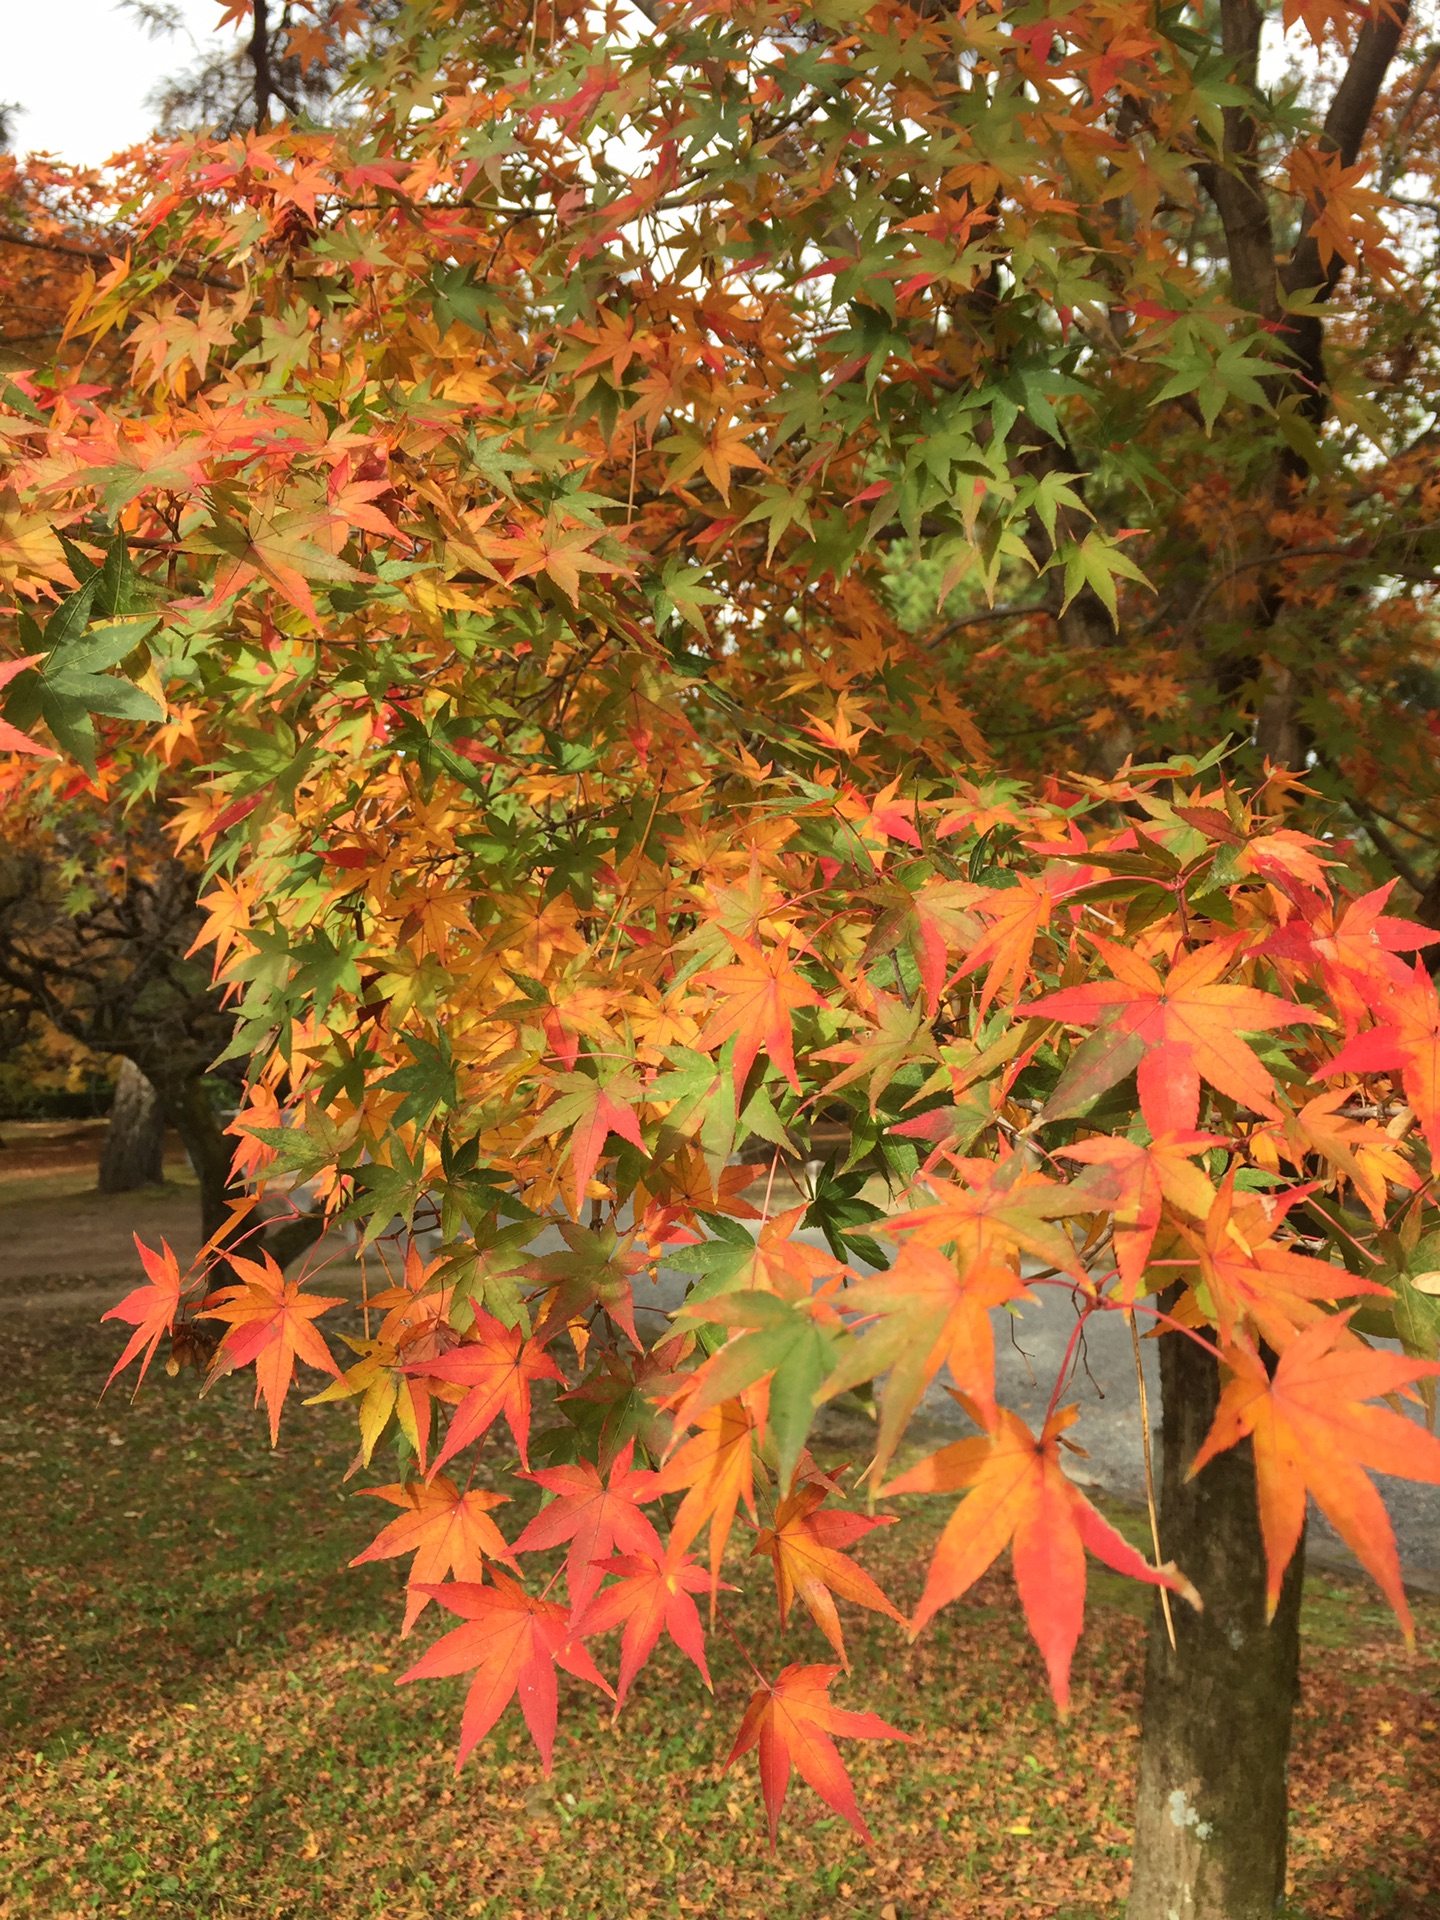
81	69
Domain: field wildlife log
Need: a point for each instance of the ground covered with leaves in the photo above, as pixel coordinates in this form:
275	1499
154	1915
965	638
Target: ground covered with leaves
201	1716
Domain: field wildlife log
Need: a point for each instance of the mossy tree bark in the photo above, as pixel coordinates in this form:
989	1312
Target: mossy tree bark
1212	1811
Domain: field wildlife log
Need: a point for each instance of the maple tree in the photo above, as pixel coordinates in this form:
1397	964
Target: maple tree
572	505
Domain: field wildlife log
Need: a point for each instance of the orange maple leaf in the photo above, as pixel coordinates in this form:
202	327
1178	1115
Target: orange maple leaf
1247	1272
1017	916
1020	1498
150	1309
449	1532
760	992
592	1110
1133	1182
716	1467
932	1311
1311	1431
807	1549
1369	1157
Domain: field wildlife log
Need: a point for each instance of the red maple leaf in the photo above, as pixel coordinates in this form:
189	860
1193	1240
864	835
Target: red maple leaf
1354	951
1406	1041
1176	1031
497	1363
791	1721
651	1592
595	1517
511	1641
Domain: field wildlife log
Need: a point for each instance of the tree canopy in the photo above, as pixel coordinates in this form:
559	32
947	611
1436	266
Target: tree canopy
770	573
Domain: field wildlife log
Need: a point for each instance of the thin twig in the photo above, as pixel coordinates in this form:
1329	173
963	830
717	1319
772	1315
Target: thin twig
988	614
1149	1468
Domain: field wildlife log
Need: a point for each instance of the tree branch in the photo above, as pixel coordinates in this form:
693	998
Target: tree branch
988	614
260	60
1236	186
1343	133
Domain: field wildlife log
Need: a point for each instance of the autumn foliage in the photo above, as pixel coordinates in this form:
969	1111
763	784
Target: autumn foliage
495	537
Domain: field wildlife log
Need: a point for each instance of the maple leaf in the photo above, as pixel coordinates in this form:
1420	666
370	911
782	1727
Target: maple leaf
760	992
150	1309
652	1592
381	1387
1353	950
595	1270
1370	1158
1019	1497
1177	1032
12	740
271	1322
513	1642
787	1345
592	1110
931	921
996	1209
716	1467
1133	1182
774	1262
595	1516
498	1364
449	1532
1406	1040
792	1721
931	1311
1246	1272
562	553
1017	915
286	548
901	1034
1310	1431
807	1548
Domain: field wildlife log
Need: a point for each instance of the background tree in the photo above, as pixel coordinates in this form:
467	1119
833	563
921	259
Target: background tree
92	937
541	474
98	921
132	1153
292	60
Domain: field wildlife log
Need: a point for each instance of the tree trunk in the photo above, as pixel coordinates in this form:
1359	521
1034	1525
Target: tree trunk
191	1111
132	1154
1215	1725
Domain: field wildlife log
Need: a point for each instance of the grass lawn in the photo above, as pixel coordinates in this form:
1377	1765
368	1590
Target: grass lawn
200	1714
